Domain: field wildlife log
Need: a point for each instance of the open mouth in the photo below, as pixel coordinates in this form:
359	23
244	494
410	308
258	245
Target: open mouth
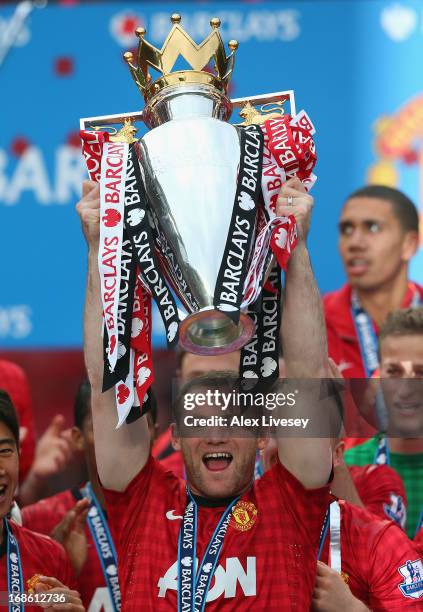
216	462
408	408
357	265
3	490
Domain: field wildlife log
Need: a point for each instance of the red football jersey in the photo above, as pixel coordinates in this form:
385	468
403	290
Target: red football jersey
39	555
375	559
382	491
342	338
14	381
175	463
43	517
267	563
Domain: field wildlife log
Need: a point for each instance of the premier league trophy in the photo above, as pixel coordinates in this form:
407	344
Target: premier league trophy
189	210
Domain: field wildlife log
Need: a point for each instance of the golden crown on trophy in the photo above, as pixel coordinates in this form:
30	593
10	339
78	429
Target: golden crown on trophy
177	43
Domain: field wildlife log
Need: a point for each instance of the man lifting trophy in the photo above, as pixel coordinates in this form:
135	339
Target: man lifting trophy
188	213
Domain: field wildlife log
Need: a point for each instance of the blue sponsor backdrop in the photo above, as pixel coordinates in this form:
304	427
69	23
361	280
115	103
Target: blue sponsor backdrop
351	64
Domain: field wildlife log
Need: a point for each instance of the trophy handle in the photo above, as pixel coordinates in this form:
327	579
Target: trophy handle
278	97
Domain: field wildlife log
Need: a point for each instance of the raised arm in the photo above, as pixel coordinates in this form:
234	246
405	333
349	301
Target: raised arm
120	453
304	346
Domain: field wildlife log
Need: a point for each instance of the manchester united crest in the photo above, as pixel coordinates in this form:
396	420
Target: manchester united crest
244	515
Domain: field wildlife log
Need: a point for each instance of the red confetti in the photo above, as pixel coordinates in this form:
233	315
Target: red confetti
410	157
19	145
129	25
64	66
74	140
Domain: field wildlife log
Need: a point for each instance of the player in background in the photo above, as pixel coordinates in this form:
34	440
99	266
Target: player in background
63	517
378	236
24	553
401	383
364	558
41	461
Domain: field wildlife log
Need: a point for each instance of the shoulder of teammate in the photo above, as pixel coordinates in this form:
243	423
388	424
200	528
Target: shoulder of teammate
45	553
280	485
382	491
381	554
368	538
390	558
44	515
153	484
362	454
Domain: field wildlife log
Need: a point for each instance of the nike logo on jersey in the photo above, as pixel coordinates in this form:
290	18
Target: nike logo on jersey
170	514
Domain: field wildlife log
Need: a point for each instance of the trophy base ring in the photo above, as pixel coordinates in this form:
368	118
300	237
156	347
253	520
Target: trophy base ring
209	332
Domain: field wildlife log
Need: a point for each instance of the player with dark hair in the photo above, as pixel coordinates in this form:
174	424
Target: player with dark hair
15	382
90	546
378	236
401	444
27	557
256	566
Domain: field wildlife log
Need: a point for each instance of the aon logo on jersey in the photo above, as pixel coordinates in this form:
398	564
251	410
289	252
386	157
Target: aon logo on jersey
226	580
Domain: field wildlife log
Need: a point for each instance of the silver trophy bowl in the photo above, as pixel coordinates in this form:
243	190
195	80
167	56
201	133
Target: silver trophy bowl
189	161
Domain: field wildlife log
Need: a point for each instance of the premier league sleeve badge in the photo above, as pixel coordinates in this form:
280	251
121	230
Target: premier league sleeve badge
412	573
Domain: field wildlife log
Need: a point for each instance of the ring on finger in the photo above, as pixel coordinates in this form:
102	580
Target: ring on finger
290	200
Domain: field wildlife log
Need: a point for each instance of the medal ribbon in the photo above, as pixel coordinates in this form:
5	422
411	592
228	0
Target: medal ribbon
366	335
103	541
382	454
335	536
15	582
419	523
193	587
332	523
229	291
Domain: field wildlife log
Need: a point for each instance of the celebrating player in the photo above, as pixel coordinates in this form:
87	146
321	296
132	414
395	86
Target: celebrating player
379	229
190	366
26	554
256	562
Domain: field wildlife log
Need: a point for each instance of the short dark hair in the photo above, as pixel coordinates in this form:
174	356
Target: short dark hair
403	208
404	322
8	415
81	407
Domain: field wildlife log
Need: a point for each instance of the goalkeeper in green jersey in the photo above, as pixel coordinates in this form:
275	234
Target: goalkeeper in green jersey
401	384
